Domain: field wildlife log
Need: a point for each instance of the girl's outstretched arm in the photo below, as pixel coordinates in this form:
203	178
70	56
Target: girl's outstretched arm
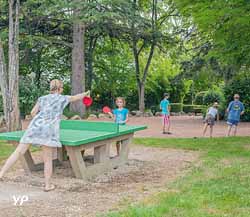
35	110
79	96
111	115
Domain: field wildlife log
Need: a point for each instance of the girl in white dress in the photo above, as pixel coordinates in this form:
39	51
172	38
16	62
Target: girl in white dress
44	128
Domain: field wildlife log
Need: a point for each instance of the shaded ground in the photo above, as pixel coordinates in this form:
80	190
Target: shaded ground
147	172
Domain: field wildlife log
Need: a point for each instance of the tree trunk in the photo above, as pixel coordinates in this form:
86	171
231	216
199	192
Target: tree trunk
141	93
4	82
89	62
9	79
13	112
78	68
141	79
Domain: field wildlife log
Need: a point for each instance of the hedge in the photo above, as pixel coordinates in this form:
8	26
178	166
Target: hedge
176	107
193	108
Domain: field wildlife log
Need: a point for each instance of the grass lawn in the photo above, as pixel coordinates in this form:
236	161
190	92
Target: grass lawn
218	186
6	149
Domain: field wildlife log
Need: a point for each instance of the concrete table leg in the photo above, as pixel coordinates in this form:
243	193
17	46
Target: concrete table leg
101	153
77	162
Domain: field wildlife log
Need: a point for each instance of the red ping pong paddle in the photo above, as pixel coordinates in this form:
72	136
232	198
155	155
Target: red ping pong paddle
106	109
87	101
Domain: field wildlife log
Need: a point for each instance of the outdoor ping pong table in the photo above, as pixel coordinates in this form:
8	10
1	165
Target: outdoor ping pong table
78	136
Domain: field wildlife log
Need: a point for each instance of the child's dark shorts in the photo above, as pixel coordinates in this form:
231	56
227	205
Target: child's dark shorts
210	120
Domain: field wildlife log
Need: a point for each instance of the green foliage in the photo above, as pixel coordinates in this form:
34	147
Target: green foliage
114	75
29	92
162	71
176	107
240	84
225	24
212	96
68	113
179	88
111	26
199	98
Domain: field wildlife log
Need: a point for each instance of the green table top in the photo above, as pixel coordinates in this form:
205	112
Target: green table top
73	133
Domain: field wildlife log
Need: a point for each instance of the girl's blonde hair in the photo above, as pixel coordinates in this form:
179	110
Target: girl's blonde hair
122	99
55	85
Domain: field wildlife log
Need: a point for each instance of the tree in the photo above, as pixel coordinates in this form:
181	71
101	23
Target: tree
78	68
146	34
9	77
226	26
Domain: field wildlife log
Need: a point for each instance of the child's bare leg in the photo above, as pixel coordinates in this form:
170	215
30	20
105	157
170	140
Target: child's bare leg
229	130
48	165
205	129
164	127
168	125
211	131
235	130
20	150
118	146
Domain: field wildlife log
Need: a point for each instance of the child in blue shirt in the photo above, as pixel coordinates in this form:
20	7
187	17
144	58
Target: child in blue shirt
165	111
235	109
120	116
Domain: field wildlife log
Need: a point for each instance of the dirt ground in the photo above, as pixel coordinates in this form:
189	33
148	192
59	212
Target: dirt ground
146	173
181	127
184	127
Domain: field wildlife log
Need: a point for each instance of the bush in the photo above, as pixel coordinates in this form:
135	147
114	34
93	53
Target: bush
212	96
240	84
29	93
155	109
176	107
199	98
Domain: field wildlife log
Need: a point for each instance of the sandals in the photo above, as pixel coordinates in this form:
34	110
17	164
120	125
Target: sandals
169	133
51	188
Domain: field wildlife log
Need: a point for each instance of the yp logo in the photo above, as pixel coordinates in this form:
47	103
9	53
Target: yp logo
19	200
